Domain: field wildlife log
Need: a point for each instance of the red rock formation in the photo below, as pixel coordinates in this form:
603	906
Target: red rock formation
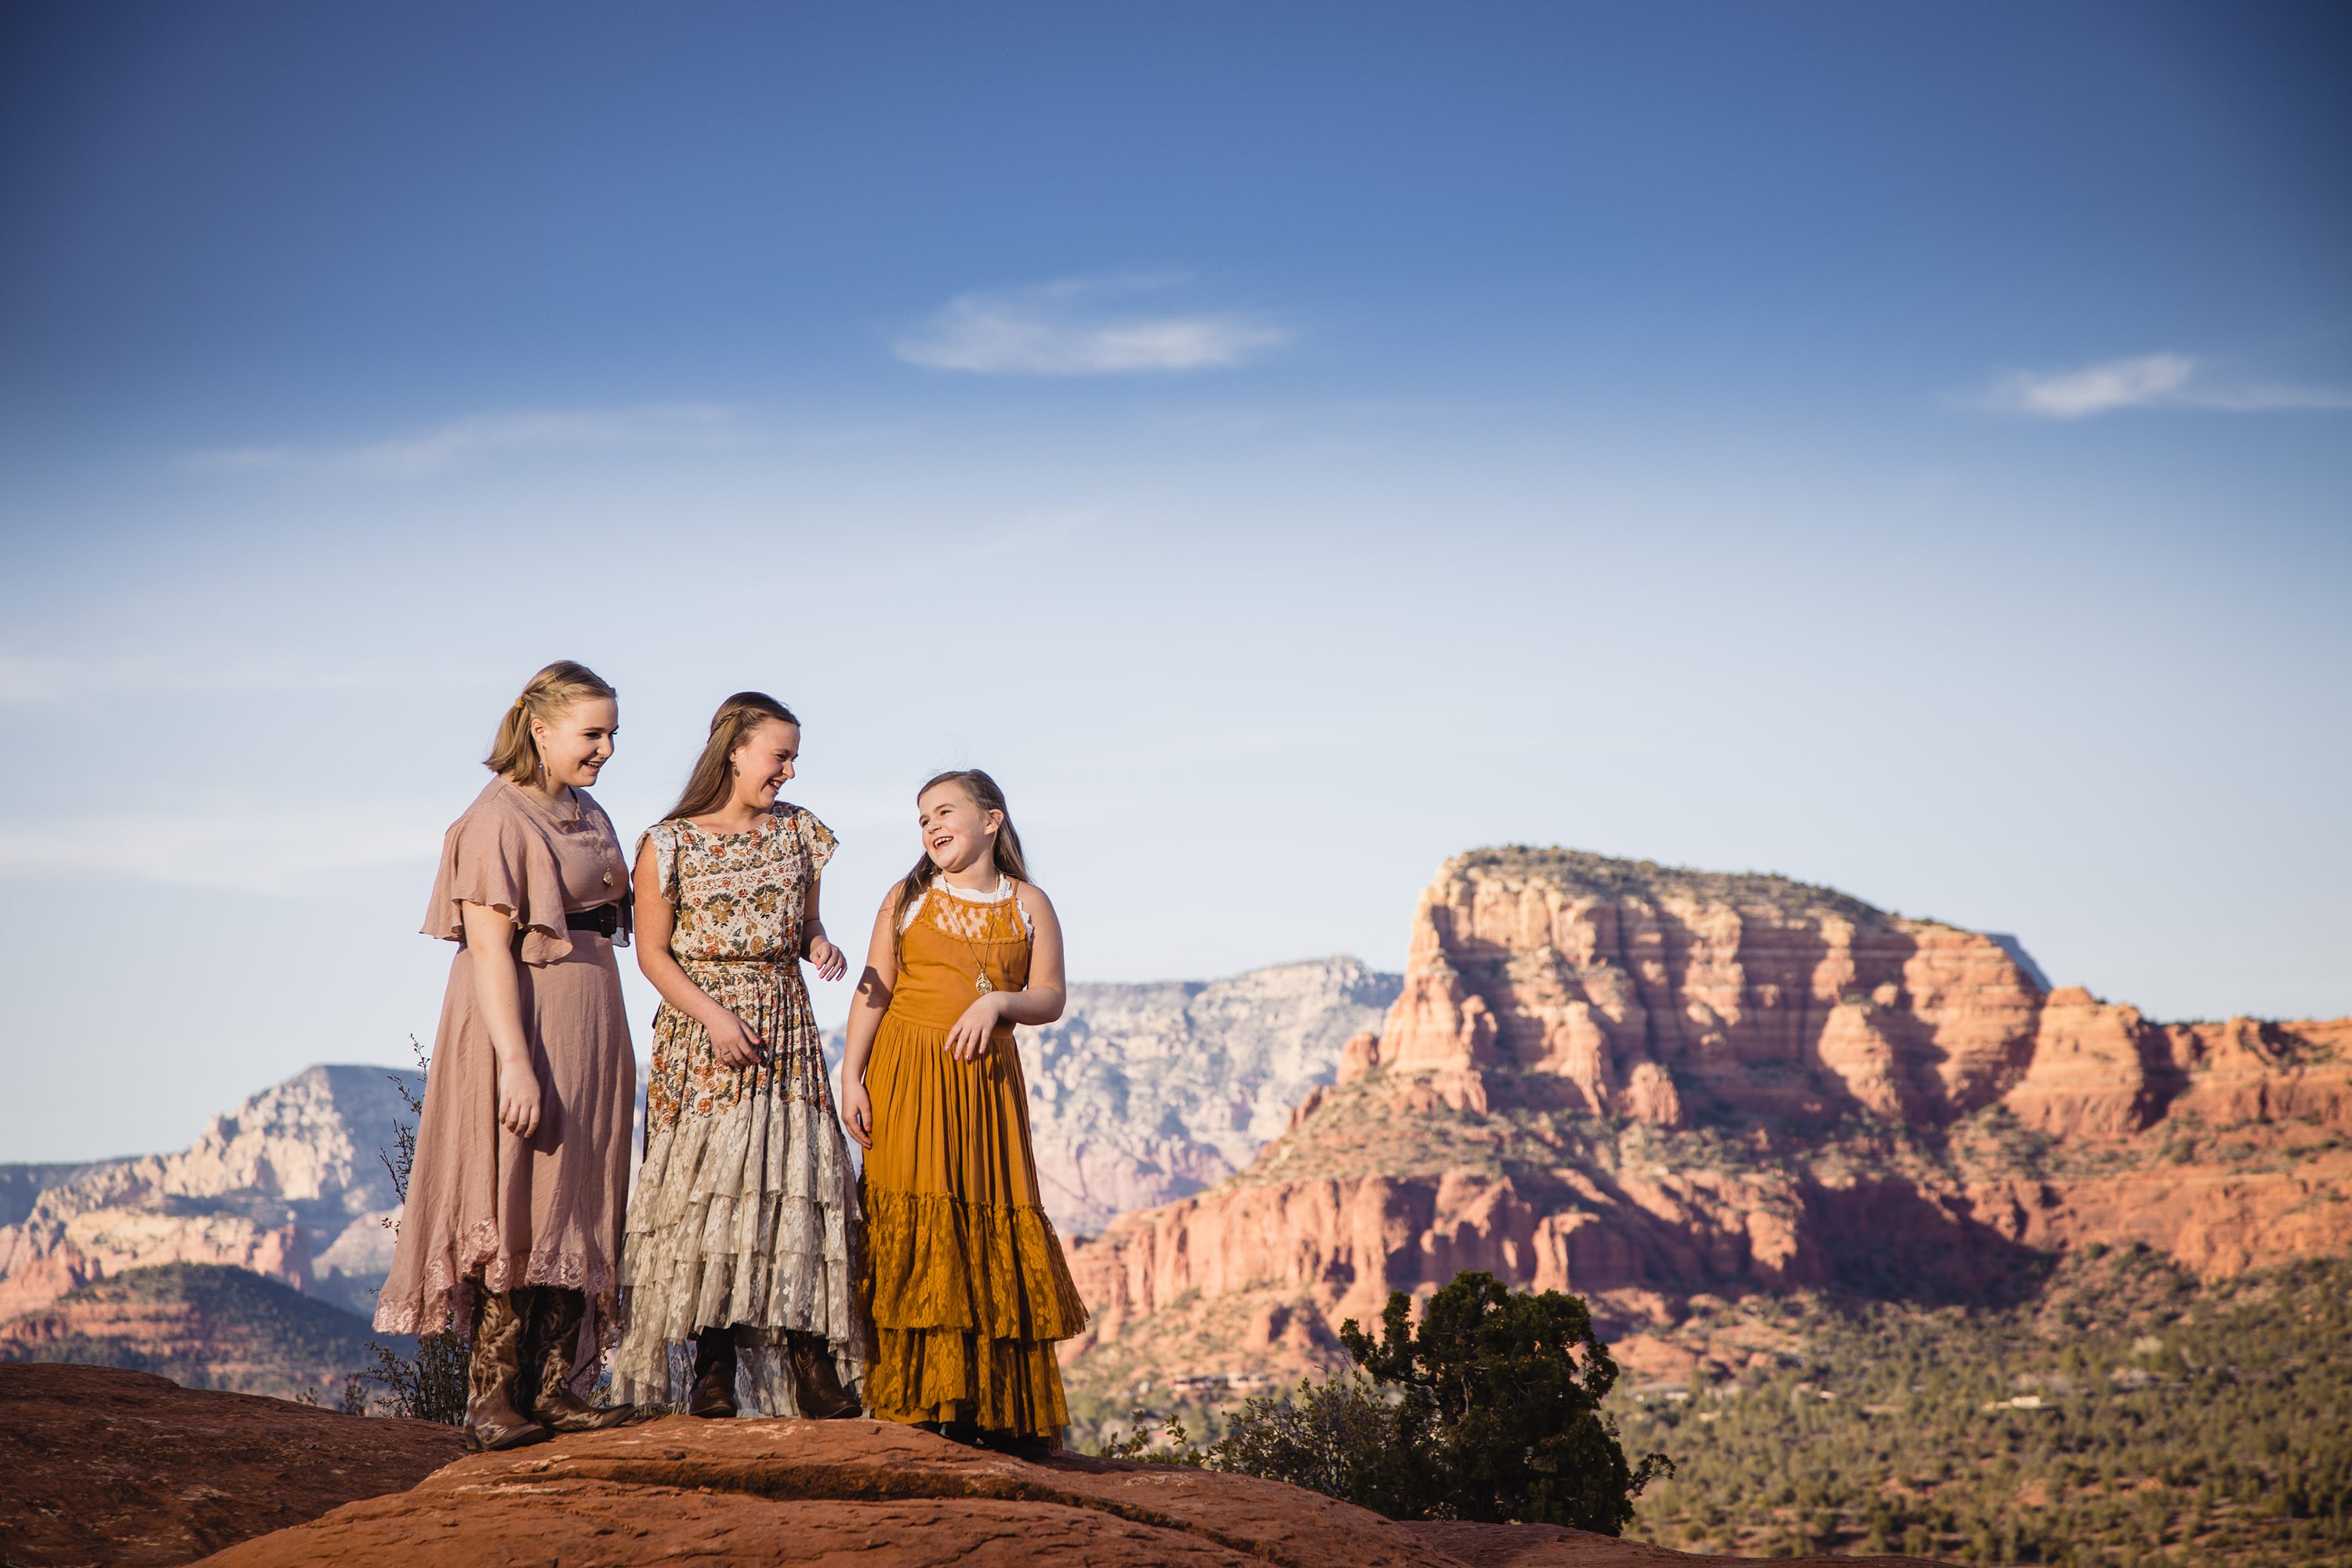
1635	984
1640	1083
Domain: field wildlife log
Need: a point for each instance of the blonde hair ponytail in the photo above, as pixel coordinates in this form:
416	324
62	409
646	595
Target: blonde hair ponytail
547	696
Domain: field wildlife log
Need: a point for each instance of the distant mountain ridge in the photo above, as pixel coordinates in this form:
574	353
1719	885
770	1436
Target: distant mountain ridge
1140	1093
202	1326
291	1184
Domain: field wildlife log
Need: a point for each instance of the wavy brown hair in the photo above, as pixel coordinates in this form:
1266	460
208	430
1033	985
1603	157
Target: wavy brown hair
549	695
986	796
712	780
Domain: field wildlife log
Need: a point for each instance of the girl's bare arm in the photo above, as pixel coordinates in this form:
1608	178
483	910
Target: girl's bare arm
866	1010
733	1040
1041	1000
498	997
831	963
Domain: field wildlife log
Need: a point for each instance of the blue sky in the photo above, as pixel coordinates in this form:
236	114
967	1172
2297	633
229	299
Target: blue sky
1905	447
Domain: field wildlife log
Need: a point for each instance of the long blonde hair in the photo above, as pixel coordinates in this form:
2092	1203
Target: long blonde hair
711	782
547	696
986	796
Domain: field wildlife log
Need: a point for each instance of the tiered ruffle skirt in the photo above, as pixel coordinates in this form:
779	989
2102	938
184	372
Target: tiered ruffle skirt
744	1216
966	1279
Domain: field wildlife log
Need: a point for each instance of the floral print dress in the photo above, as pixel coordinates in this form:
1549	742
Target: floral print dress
745	1211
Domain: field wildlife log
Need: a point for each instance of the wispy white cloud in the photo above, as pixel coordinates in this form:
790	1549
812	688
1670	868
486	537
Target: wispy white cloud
480	437
278	851
1083	326
2147	380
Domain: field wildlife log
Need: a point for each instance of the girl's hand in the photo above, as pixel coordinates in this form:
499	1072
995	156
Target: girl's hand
518	1097
830	960
857	1112
968	1041
736	1043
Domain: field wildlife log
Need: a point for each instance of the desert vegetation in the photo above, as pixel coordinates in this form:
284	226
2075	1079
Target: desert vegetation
2126	1415
1488	1407
430	1384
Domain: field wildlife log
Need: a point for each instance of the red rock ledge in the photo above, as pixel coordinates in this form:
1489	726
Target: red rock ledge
98	1466
747	1492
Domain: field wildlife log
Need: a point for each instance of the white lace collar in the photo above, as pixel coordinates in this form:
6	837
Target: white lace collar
1003	891
996	895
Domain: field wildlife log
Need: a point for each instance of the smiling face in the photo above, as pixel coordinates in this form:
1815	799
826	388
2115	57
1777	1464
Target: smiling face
579	742
957	834
762	764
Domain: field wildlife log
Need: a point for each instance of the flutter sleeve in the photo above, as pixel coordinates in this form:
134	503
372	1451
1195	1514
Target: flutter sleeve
816	837
492	857
662	838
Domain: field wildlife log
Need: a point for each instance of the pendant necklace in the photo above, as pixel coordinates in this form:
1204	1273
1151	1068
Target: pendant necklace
981	981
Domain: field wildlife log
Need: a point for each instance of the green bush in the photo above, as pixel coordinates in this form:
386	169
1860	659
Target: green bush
1500	1407
1338	1438
1488	1409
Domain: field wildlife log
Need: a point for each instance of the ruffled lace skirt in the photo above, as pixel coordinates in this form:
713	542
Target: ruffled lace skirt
745	1211
967	1281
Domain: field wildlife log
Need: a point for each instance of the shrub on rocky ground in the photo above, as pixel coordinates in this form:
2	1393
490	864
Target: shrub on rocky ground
1488	1408
430	1386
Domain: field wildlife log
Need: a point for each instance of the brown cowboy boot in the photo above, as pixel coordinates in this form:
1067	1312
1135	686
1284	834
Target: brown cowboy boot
493	1414
816	1384
714	1373
555	1315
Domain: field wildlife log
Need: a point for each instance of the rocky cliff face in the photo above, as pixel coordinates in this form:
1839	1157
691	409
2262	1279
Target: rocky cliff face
1143	1093
204	1326
291	1186
1645	1084
1676	998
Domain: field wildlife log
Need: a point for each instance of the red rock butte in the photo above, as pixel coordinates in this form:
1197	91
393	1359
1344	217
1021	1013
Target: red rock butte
1639	1083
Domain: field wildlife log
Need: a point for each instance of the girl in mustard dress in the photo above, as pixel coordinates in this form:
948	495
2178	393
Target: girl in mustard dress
965	1278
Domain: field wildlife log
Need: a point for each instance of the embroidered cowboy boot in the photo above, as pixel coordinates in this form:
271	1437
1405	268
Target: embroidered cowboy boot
816	1384
555	1315
714	1373
495	1418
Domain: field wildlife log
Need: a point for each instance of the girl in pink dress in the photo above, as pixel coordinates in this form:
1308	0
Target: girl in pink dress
513	1221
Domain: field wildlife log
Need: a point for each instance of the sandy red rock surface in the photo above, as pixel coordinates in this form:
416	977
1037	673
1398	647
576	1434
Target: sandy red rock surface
105	1467
101	1466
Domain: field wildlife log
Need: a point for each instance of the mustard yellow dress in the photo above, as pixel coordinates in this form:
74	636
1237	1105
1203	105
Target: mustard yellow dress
965	1277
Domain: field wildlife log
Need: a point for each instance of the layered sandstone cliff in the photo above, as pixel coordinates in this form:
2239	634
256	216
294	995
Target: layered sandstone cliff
1644	1083
291	1184
204	1326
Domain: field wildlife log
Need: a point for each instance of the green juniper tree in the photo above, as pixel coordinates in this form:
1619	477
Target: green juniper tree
1501	1394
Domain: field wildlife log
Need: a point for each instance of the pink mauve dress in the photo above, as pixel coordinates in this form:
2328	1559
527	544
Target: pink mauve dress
486	1208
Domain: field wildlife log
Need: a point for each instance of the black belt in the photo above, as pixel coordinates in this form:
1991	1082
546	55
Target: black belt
604	919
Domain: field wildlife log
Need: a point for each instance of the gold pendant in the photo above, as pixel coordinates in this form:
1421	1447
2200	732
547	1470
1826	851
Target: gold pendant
982	986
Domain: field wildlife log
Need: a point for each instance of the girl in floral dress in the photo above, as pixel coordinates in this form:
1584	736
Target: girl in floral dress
744	1219
966	1280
